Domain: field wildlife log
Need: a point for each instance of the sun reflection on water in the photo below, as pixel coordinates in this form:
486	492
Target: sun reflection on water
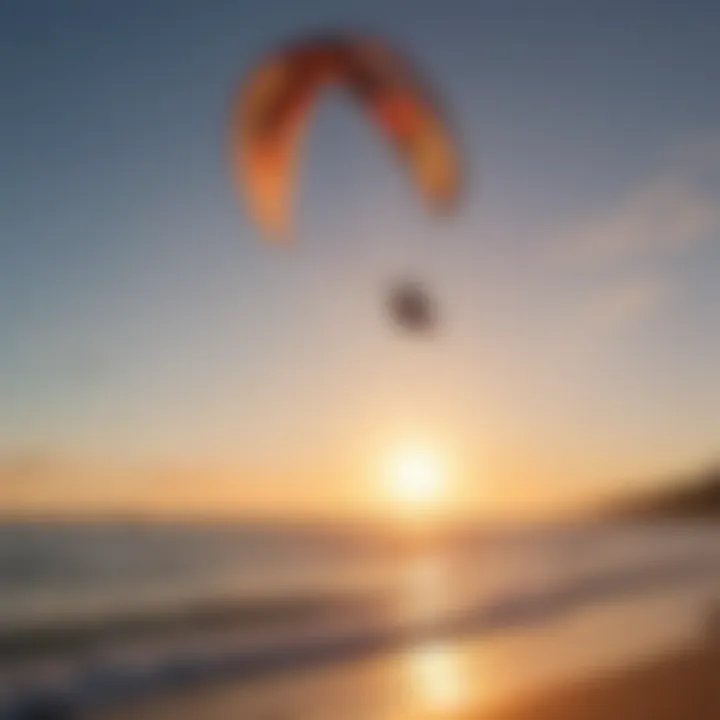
438	678
438	675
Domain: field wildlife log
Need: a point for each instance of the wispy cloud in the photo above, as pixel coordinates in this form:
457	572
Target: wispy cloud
668	215
30	477
25	468
619	307
665	214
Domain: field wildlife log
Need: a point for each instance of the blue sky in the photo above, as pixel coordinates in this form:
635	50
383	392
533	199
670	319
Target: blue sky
145	327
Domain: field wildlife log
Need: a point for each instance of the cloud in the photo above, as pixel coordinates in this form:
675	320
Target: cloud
46	479
664	215
28	477
673	211
37	481
614	254
25	468
620	307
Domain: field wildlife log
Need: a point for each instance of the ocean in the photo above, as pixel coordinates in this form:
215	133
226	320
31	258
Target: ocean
98	616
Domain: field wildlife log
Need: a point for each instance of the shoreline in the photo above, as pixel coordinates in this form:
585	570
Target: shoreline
681	684
72	637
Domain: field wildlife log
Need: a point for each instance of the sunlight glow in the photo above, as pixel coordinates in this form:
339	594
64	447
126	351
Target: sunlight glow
415	476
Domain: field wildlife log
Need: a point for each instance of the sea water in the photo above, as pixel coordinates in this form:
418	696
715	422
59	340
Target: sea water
536	605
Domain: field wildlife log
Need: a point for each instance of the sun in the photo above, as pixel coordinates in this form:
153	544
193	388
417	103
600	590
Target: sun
415	477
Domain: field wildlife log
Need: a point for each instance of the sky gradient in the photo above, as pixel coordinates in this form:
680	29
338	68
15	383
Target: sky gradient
155	354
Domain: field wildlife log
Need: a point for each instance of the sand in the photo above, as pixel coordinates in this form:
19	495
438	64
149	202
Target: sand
684	686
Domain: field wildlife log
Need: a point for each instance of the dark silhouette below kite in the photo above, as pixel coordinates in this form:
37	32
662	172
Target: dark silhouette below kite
411	308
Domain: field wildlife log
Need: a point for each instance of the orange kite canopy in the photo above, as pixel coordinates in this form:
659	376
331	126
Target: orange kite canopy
273	105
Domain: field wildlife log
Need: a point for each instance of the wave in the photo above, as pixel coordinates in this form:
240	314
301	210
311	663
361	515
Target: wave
98	665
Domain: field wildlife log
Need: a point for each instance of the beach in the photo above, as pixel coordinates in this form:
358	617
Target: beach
471	628
679	685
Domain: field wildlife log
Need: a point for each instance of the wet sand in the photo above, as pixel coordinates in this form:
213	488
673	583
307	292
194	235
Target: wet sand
684	686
